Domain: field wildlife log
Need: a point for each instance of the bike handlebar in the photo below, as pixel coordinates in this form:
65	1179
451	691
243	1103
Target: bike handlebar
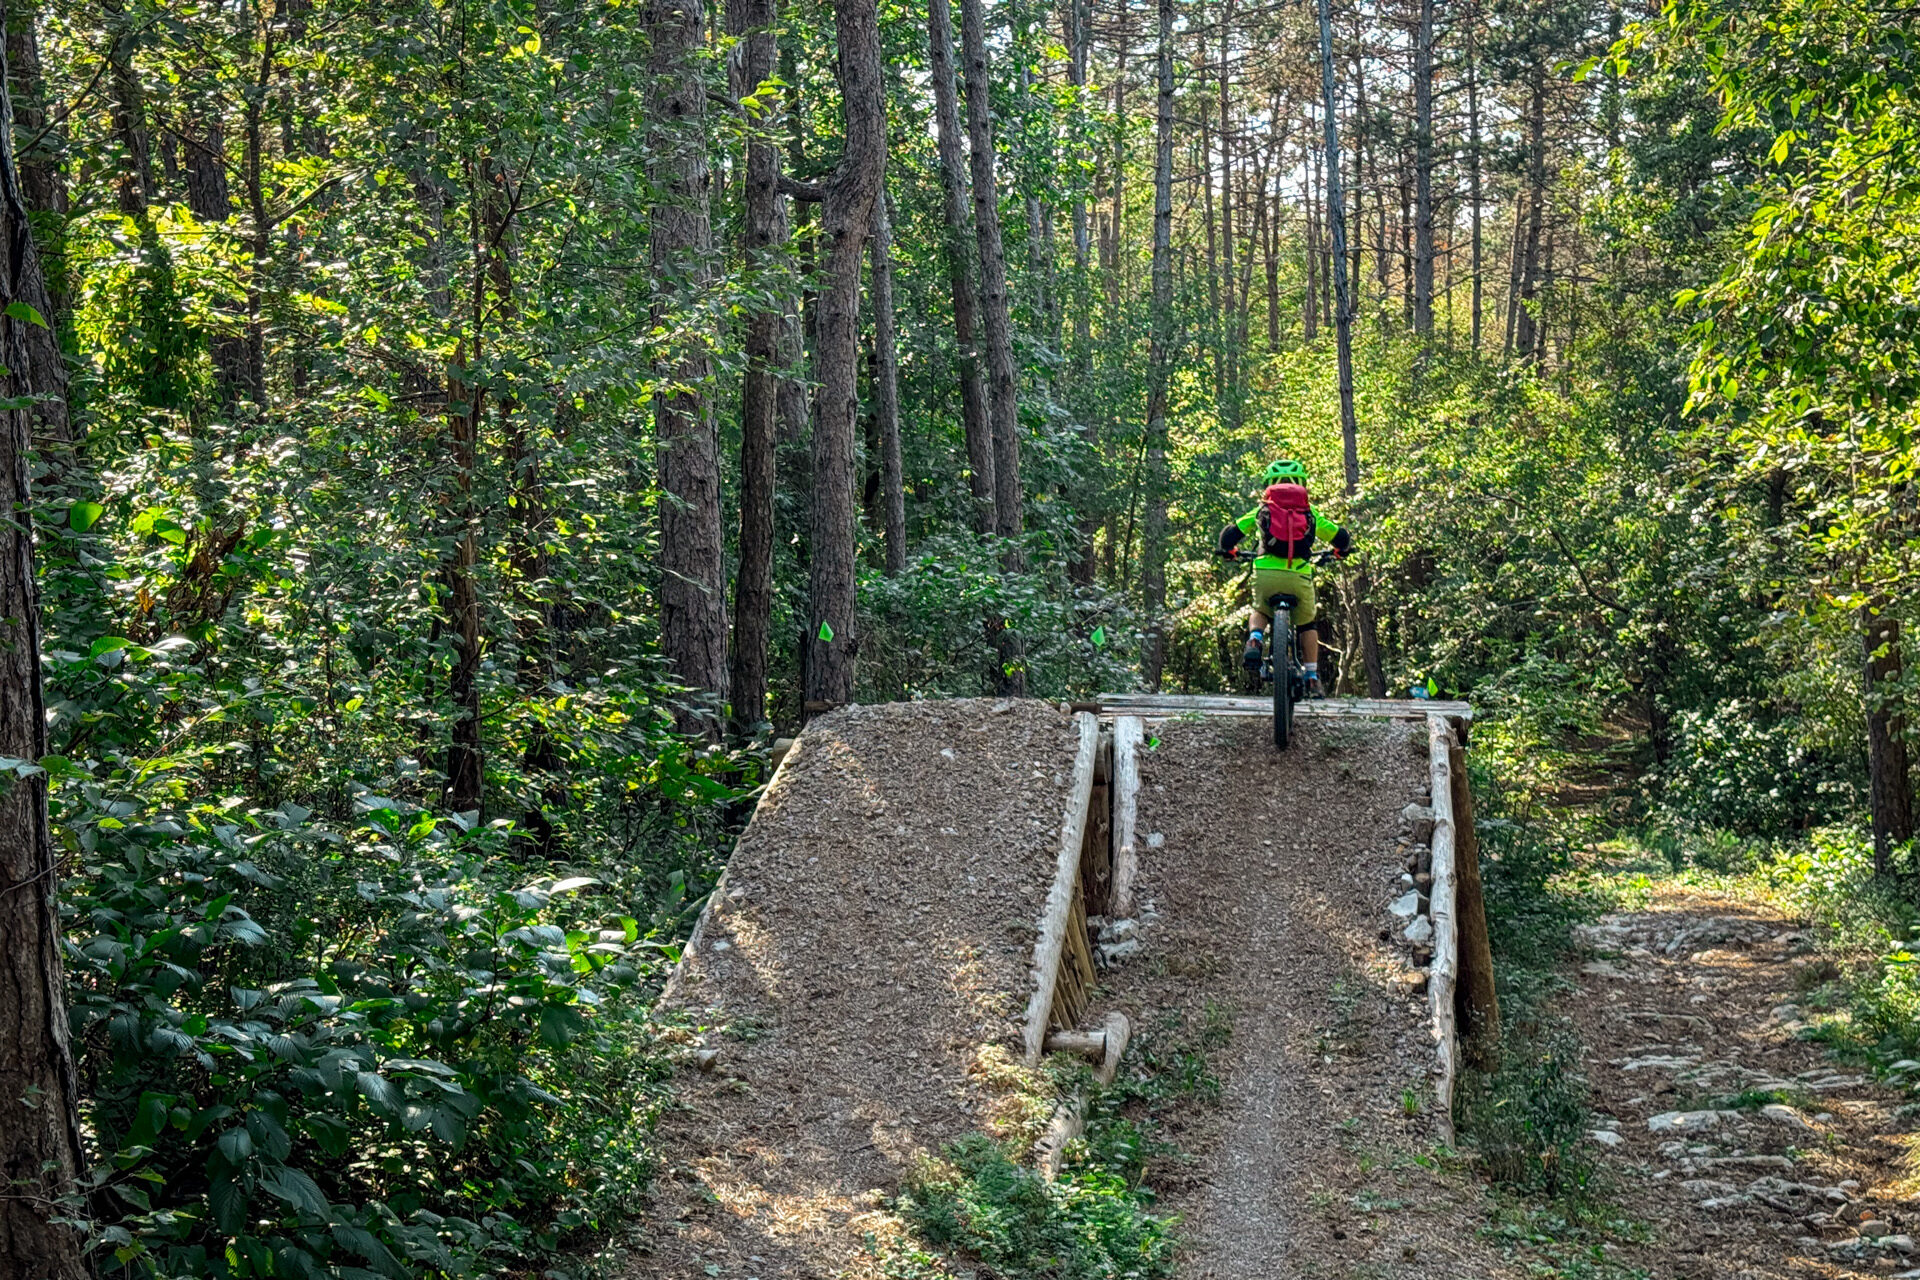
1318	557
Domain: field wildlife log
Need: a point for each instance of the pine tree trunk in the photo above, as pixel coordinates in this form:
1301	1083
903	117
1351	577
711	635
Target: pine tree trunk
693	609
846	214
129	113
1526	339
764	249
1003	410
1889	788
1473	162
42	192
41	1155
1423	173
886	389
1153	570
1343	330
960	251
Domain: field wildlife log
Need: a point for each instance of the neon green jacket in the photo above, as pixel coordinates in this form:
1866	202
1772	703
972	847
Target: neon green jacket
1303	563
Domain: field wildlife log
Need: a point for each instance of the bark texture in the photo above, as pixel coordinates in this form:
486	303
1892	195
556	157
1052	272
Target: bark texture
1003	410
953	186
40	1148
1890	790
1153	572
846	214
693	609
765	250
886	388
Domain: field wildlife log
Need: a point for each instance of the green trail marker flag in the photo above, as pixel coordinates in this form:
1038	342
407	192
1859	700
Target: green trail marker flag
826	631
1099	637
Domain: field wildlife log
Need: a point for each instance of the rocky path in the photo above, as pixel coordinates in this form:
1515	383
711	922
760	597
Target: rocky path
1269	883
1748	1150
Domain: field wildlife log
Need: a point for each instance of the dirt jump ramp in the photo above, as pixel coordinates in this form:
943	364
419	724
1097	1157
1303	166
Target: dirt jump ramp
858	990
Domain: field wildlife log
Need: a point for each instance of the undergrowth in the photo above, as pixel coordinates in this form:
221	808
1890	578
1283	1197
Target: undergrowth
981	1201
1526	1120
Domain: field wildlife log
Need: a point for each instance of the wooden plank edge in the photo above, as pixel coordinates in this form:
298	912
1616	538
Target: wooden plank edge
1128	732
1121	703
1441	977
1051	942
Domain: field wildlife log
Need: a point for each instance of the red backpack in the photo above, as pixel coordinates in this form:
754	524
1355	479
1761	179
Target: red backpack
1286	522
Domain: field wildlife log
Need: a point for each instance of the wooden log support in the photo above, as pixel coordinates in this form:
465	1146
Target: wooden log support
1096	855
1127	735
1442	909
1477	1001
1085	1044
1162	705
1063	896
1070	1117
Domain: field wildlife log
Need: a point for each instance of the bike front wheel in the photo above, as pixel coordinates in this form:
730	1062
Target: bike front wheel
1283	688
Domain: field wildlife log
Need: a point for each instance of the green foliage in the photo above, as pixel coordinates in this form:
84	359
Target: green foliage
978	1201
1529	1118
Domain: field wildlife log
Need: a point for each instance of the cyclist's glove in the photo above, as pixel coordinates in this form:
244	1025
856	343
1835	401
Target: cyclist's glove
1342	544
1229	539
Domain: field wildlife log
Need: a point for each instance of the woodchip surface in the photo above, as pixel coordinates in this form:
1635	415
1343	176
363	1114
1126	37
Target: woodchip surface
862	976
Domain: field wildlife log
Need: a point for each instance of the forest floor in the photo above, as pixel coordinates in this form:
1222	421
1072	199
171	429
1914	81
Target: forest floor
1744	1148
1266	886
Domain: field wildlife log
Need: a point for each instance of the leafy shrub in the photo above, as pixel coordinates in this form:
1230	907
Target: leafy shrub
1528	1119
1737	768
377	1053
1087	1225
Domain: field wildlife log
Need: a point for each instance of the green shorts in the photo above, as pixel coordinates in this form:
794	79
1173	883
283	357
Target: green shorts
1267	582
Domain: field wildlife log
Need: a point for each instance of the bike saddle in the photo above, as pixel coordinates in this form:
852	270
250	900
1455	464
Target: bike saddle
1282	601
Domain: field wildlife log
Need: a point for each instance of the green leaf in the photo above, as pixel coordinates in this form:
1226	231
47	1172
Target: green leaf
21	311
81	516
1099	637
297	1189
236	1145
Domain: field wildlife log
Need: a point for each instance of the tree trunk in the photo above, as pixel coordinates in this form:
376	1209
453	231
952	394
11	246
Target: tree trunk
129	114
886	389
1003	410
764	248
1337	217
1343	331
1889	788
846	213
42	192
1311	309
1473	160
41	1155
693	610
1423	173
973	389
1526	339
1153	571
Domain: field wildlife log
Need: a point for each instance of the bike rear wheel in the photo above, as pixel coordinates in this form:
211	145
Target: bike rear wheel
1282	684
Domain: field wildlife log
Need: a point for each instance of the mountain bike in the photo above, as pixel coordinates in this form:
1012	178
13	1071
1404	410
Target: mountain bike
1281	657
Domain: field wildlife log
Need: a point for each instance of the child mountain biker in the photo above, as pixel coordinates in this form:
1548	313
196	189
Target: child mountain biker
1288	525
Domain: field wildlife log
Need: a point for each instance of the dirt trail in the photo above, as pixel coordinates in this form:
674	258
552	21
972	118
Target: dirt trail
1267	889
1748	1149
875	933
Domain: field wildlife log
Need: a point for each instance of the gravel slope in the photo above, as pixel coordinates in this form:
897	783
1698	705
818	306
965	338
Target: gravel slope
876	931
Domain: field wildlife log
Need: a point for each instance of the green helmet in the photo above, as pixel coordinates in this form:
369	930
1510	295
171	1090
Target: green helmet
1285	469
